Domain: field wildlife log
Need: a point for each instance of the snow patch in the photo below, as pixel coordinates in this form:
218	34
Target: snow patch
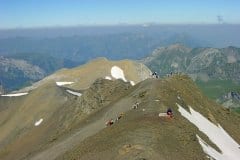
37	123
14	95
74	93
109	78
162	114
132	83
118	73
215	133
178	97
156	100
63	83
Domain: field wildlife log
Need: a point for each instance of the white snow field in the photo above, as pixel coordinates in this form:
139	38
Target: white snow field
37	123
132	83
162	115
229	148
63	83
14	94
74	93
109	78
118	73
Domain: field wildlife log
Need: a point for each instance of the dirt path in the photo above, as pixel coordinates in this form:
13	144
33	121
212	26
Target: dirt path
61	147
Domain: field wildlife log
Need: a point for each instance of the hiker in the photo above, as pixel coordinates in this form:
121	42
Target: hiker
110	122
135	106
120	116
169	112
154	75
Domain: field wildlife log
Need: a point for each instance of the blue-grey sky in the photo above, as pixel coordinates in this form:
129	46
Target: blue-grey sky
45	13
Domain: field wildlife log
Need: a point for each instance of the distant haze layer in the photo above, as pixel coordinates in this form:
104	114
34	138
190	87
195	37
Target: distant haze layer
218	35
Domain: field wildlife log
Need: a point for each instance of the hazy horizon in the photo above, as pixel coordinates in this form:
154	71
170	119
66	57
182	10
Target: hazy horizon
147	24
62	13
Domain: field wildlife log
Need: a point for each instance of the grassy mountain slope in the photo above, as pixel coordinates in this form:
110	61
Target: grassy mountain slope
143	135
61	111
74	127
84	75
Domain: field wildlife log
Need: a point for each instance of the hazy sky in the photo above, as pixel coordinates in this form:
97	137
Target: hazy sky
42	13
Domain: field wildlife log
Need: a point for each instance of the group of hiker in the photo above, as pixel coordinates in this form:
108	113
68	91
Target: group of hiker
156	75
168	114
111	121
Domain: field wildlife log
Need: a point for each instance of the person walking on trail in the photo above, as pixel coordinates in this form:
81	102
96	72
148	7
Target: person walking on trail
109	122
169	112
120	116
135	105
155	75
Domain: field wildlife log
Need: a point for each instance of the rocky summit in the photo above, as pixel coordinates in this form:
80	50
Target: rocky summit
115	110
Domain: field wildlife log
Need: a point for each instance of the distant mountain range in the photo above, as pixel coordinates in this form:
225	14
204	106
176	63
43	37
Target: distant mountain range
87	47
17	71
200	63
215	71
53	48
53	53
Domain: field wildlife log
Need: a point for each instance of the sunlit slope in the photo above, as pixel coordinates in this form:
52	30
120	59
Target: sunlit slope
52	123
83	76
49	111
142	134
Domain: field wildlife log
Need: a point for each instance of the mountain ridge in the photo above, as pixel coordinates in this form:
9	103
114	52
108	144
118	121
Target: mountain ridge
50	122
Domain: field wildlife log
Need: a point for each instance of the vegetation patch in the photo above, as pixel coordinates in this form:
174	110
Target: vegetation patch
213	89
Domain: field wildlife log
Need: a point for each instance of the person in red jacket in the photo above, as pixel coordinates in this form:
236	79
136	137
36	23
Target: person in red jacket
169	112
